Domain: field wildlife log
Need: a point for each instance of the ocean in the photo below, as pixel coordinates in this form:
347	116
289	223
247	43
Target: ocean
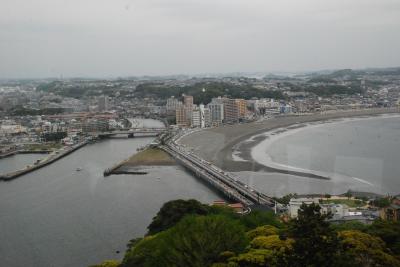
361	154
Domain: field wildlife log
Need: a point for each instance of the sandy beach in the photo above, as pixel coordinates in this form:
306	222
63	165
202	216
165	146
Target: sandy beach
218	144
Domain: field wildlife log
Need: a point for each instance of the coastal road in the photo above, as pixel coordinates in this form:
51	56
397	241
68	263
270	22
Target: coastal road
223	180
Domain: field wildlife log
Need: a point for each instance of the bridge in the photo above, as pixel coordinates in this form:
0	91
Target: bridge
131	132
225	182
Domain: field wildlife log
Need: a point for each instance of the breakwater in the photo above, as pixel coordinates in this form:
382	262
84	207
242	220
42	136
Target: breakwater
24	151
41	163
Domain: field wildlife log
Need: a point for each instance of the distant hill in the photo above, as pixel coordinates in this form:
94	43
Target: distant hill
203	92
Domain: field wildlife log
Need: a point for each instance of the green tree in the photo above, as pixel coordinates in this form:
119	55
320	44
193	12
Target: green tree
389	232
264	230
259	218
286	198
199	240
264	251
148	252
195	241
366	250
348	194
108	263
381	202
272	242
315	241
173	211
352	225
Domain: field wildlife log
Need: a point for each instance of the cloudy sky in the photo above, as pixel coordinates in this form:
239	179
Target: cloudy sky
108	38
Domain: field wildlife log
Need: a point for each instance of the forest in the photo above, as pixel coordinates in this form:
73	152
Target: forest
189	233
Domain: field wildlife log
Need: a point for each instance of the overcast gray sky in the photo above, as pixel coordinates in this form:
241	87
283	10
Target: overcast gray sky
42	38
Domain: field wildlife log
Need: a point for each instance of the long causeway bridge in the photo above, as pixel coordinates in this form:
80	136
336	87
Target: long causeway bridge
222	181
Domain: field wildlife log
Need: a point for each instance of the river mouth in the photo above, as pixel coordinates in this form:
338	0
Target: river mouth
68	214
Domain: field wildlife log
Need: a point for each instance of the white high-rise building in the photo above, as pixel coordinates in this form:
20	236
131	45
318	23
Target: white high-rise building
216	113
205	116
196	118
172	104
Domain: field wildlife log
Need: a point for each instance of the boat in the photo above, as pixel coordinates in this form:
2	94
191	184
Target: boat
78	169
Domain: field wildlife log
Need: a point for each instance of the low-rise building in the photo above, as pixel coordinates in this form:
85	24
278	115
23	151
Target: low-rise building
95	125
295	203
392	212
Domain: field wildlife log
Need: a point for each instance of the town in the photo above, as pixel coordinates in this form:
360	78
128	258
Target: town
41	111
59	116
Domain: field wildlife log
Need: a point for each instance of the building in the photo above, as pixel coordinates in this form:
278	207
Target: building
206	116
295	203
392	212
102	103
182	116
241	106
172	104
338	211
216	113
188	101
264	106
217	100
95	125
285	108
12	129
231	112
196	118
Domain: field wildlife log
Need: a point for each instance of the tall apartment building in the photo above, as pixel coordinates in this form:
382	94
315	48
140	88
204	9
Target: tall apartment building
231	112
181	116
206	117
216	113
172	104
196	118
188	101
102	103
217	100
241	105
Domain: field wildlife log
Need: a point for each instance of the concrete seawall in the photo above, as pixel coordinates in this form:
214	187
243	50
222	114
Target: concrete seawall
15	174
15	152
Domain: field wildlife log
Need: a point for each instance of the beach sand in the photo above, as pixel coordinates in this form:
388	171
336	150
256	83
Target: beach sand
218	144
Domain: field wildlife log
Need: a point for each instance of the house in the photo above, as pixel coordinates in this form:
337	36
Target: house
392	212
295	203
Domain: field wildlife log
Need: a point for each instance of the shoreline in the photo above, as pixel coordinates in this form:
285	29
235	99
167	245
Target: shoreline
42	163
220	144
273	135
138	161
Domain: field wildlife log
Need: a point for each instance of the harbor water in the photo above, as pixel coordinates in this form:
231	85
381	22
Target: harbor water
58	216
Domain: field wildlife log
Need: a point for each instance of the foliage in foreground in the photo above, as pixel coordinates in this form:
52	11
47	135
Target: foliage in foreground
188	233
